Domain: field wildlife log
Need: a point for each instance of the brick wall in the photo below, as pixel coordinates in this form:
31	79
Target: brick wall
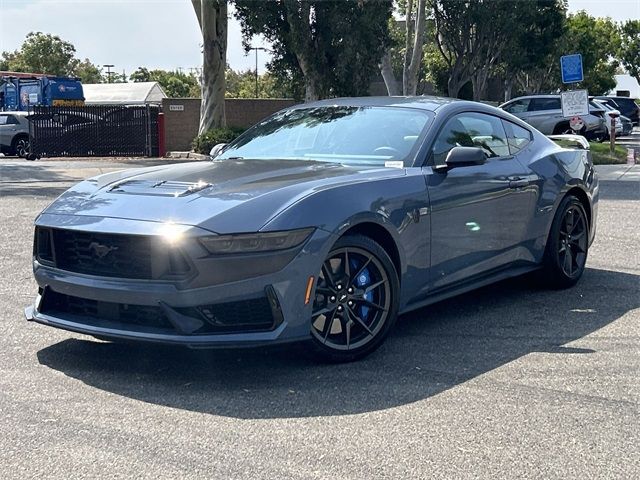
182	116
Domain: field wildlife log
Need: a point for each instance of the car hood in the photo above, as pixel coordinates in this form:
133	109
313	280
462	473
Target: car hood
222	196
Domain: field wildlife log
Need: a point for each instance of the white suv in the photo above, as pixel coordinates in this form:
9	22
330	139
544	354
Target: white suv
544	112
14	133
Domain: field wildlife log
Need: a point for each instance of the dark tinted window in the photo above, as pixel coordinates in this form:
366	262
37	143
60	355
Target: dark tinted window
538	104
471	130
517	106
345	134
625	102
8	120
517	137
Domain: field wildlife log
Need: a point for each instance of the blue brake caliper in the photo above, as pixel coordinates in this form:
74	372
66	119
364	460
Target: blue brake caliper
363	280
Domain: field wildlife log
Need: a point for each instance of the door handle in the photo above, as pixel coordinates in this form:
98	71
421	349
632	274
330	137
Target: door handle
518	182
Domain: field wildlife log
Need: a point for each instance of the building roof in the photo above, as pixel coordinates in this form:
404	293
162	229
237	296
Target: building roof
135	93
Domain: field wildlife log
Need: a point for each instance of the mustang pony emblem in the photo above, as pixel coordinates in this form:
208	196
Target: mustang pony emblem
100	250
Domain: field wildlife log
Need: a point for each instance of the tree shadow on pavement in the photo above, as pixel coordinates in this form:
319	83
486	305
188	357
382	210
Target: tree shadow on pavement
430	351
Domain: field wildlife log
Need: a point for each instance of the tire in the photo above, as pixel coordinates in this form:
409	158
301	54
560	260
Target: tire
565	129
561	129
20	146
567	246
354	308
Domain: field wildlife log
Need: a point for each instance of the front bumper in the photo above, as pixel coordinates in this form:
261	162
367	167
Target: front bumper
285	291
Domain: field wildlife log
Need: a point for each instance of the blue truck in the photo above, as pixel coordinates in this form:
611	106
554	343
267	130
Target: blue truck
19	94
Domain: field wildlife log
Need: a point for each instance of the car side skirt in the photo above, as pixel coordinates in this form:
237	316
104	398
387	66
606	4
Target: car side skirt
460	288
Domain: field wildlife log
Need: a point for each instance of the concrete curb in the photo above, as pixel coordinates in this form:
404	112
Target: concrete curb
189	155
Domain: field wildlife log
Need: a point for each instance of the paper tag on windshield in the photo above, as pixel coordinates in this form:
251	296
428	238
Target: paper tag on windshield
394	164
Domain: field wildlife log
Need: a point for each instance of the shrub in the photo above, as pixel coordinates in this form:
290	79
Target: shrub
205	142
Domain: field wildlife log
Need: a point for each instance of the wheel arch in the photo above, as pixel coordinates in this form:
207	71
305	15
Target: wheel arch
581	195
382	236
18	136
560	127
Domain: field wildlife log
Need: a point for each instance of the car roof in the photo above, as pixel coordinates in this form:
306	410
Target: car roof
546	95
614	97
19	113
430	103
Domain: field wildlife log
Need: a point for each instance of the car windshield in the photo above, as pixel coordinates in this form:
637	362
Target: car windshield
344	134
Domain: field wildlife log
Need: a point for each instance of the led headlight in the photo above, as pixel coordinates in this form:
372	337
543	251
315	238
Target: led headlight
255	242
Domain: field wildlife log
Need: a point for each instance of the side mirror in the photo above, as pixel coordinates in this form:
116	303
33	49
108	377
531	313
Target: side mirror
464	156
217	149
614	113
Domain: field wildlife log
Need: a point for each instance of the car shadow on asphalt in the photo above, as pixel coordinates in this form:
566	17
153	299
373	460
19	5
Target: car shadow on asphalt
431	350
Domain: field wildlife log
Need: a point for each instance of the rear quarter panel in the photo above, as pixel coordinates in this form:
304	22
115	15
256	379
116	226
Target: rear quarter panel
559	170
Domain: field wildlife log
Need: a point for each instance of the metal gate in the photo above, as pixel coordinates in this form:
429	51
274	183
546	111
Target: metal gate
90	131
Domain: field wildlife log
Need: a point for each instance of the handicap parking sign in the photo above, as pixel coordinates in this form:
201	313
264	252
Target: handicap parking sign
571	68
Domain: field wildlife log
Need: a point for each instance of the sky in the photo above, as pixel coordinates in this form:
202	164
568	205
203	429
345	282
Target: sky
163	33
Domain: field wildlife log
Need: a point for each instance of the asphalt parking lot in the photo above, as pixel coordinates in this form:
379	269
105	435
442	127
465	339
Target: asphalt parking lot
506	382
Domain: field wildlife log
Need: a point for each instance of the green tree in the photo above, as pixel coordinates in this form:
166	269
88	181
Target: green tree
42	53
45	53
410	41
175	84
140	75
242	84
332	47
472	37
87	71
629	49
543	24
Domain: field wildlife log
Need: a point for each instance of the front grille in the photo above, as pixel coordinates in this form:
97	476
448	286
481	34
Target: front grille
103	254
110	255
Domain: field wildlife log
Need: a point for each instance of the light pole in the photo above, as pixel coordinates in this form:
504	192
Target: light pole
256	50
109	72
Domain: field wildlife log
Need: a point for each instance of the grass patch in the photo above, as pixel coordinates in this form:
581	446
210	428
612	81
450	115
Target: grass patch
602	156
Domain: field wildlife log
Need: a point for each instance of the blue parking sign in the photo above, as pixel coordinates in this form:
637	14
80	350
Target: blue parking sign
571	68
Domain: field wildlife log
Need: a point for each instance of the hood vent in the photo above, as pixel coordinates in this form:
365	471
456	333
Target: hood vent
157	188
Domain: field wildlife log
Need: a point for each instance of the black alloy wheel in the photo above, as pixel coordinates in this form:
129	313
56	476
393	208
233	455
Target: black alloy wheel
568	244
22	147
355	301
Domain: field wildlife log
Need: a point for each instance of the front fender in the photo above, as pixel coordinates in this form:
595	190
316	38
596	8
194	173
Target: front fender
399	205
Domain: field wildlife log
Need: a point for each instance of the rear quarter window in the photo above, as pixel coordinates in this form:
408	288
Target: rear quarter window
518	138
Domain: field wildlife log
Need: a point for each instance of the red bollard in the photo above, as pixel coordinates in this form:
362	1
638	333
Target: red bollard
162	149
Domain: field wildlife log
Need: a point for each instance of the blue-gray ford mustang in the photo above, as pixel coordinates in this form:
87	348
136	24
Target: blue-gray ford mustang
323	223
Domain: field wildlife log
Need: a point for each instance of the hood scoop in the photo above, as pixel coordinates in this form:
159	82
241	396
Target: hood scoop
165	188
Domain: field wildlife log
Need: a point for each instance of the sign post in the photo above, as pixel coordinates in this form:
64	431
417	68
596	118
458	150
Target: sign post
612	136
575	102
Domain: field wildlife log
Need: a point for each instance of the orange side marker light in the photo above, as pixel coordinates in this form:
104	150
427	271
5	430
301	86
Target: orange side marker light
307	297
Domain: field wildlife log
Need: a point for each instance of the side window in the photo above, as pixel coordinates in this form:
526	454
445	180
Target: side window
471	130
517	137
540	104
517	106
4	119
